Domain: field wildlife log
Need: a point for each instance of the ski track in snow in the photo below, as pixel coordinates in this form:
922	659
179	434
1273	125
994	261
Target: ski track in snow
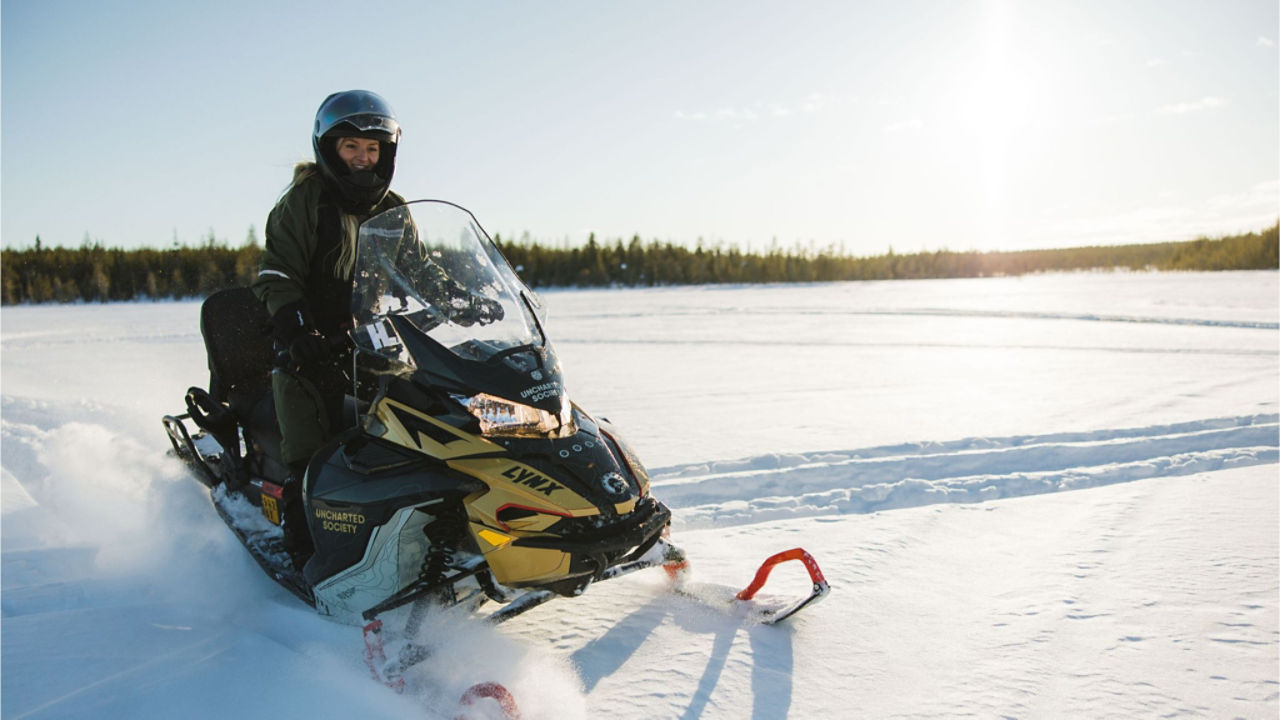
775	486
758	342
959	313
772	487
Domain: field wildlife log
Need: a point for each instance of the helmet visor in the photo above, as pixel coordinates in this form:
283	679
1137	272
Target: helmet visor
365	111
368	124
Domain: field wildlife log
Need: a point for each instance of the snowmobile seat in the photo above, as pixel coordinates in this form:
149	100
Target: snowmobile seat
237	338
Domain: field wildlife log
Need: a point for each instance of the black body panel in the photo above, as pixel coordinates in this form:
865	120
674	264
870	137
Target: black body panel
356	483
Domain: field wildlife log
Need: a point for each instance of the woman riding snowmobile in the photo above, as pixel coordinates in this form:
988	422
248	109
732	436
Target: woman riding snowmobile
448	465
306	273
464	475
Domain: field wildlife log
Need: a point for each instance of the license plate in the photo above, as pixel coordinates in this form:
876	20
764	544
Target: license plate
270	509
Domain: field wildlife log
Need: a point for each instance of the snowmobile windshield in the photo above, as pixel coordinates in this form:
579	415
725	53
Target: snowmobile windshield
430	264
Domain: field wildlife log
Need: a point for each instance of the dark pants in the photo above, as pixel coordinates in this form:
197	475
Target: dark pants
308	408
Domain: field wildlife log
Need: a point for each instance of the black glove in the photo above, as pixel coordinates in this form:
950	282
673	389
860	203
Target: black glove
308	348
472	309
486	310
295	330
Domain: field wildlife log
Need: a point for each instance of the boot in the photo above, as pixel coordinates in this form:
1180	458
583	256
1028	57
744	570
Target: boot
297	536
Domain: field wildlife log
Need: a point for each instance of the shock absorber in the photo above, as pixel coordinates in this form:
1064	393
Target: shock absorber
442	536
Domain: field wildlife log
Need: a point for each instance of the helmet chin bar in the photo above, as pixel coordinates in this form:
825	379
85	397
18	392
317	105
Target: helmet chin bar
365	178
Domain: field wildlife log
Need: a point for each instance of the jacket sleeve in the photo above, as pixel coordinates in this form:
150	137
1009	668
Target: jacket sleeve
290	241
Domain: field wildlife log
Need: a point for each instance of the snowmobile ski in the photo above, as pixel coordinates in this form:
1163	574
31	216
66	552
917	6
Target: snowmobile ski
493	690
389	675
776	614
745	603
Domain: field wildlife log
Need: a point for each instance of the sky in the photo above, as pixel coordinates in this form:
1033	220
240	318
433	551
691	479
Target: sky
910	124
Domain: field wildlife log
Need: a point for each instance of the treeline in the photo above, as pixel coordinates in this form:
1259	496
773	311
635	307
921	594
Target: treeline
639	264
93	273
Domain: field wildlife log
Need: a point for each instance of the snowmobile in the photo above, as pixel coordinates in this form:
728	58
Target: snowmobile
466	475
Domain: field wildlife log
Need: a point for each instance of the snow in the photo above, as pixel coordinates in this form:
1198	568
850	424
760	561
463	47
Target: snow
1046	496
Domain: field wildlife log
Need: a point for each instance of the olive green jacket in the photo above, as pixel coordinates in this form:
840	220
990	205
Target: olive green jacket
300	256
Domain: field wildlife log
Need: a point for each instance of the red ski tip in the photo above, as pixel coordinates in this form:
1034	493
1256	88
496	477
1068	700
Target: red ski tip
376	658
490	690
676	571
762	575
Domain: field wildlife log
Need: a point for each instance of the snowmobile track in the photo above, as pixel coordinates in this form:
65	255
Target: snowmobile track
961	471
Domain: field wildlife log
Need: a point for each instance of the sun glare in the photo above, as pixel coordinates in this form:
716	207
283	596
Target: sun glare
997	94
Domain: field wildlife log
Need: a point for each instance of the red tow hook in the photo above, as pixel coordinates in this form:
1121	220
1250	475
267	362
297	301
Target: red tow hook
762	575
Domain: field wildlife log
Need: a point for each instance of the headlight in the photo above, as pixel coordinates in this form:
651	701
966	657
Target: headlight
499	416
629	457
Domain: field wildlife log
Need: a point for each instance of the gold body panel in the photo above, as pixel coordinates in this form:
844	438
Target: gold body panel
510	485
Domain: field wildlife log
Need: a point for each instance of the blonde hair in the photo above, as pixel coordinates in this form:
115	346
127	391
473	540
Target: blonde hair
347	260
346	264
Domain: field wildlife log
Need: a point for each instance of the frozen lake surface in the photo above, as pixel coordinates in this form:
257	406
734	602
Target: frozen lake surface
1043	496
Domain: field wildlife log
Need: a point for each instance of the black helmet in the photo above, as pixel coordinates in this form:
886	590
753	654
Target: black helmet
356	113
